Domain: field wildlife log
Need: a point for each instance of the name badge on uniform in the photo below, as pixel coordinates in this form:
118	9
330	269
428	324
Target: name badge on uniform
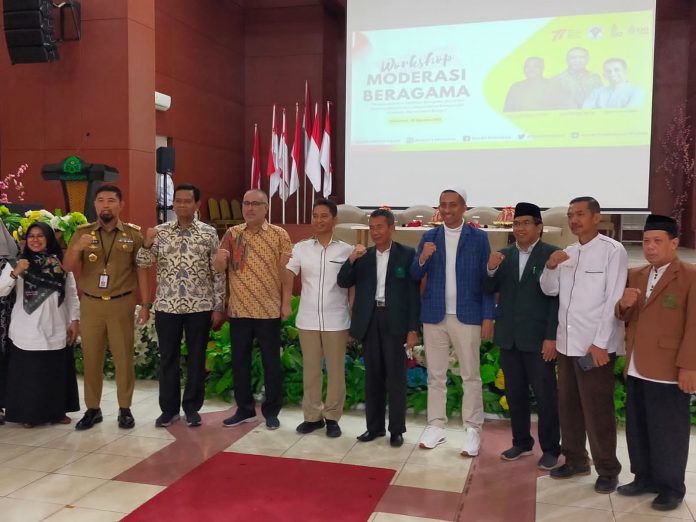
103	280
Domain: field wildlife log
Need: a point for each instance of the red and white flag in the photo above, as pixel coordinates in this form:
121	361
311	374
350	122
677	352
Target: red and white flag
272	171
312	162
325	153
255	162
283	161
294	181
306	121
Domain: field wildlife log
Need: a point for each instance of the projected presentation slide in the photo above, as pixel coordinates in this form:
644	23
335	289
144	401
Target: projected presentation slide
563	81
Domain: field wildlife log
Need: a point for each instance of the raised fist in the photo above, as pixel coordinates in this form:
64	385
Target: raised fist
428	250
494	260
555	259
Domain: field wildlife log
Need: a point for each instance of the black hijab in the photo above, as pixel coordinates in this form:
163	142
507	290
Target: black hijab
45	274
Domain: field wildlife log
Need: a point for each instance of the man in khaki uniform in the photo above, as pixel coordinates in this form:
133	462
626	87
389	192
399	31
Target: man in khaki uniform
104	254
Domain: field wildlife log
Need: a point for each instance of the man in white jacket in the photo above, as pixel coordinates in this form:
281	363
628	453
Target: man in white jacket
589	278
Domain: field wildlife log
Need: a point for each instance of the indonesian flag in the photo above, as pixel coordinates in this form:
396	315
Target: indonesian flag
312	163
255	162
272	171
306	121
325	153
294	181
283	189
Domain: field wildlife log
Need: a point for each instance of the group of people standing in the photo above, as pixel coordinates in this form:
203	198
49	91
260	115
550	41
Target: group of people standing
557	315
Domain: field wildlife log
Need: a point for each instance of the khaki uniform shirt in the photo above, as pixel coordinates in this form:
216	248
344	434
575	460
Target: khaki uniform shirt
111	253
254	270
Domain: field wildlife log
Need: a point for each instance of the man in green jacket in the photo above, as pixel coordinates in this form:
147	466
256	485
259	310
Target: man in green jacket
525	330
385	320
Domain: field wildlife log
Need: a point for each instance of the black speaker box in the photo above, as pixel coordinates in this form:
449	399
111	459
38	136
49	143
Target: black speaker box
165	159
29	31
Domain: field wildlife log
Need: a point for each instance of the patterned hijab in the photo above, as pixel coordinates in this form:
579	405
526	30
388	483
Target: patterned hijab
45	274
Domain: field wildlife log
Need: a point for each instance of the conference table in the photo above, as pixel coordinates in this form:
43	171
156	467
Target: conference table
498	237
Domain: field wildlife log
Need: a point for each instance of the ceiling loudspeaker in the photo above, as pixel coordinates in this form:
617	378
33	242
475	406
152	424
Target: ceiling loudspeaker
29	31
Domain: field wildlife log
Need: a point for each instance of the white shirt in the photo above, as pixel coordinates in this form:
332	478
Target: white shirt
323	304
451	242
382	263
588	285
47	327
655	275
523	256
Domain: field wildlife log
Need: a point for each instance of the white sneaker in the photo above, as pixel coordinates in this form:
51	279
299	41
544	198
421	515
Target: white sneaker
472	443
432	436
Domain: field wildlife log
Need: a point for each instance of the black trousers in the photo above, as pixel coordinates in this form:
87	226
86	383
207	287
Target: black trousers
586	406
658	426
170	328
385	375
267	332
522	370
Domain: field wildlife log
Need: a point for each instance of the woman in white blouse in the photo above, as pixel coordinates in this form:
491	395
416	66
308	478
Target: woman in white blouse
41	382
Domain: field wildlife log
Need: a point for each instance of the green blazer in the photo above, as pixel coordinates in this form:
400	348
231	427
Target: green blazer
525	316
401	292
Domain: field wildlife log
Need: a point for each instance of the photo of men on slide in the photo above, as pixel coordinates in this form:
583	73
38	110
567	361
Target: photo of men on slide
577	82
535	93
619	94
575	88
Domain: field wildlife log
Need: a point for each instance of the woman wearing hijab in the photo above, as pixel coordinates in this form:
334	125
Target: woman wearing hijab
41	383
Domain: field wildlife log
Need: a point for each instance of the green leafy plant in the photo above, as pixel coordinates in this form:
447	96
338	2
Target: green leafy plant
220	379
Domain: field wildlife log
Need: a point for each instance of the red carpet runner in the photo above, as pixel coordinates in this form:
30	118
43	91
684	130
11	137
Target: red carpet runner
236	486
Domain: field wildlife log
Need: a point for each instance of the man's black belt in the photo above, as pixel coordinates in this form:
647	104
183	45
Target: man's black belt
380	303
106	297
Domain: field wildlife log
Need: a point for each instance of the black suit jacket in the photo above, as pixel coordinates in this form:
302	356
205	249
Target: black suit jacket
525	316
401	292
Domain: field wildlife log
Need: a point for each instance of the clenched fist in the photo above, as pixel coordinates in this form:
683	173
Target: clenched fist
494	260
558	257
22	266
629	298
150	236
358	252
84	241
428	250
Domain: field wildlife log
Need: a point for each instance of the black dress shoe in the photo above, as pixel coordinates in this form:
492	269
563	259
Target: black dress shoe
568	470
92	416
396	440
333	430
635	488
125	418
309	426
371	435
666	502
606	484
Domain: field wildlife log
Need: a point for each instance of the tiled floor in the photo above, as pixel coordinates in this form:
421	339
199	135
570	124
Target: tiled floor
55	473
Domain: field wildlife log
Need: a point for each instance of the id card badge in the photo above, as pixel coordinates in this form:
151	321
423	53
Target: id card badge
103	280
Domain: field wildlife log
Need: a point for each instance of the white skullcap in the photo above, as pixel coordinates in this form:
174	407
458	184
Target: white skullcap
460	191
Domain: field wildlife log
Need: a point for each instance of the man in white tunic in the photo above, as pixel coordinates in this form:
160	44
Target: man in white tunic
589	278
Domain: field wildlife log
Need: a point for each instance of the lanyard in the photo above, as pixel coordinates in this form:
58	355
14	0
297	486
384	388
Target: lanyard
107	255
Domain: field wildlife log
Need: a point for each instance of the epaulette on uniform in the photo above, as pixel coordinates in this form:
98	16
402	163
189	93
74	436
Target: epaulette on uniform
133	226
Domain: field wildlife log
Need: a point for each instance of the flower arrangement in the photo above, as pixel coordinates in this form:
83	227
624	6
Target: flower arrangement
12	181
66	225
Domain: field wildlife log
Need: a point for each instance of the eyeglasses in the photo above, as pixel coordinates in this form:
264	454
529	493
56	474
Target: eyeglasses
518	224
37	236
253	203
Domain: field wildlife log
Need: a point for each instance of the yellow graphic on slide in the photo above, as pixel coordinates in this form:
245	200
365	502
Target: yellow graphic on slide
578	81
